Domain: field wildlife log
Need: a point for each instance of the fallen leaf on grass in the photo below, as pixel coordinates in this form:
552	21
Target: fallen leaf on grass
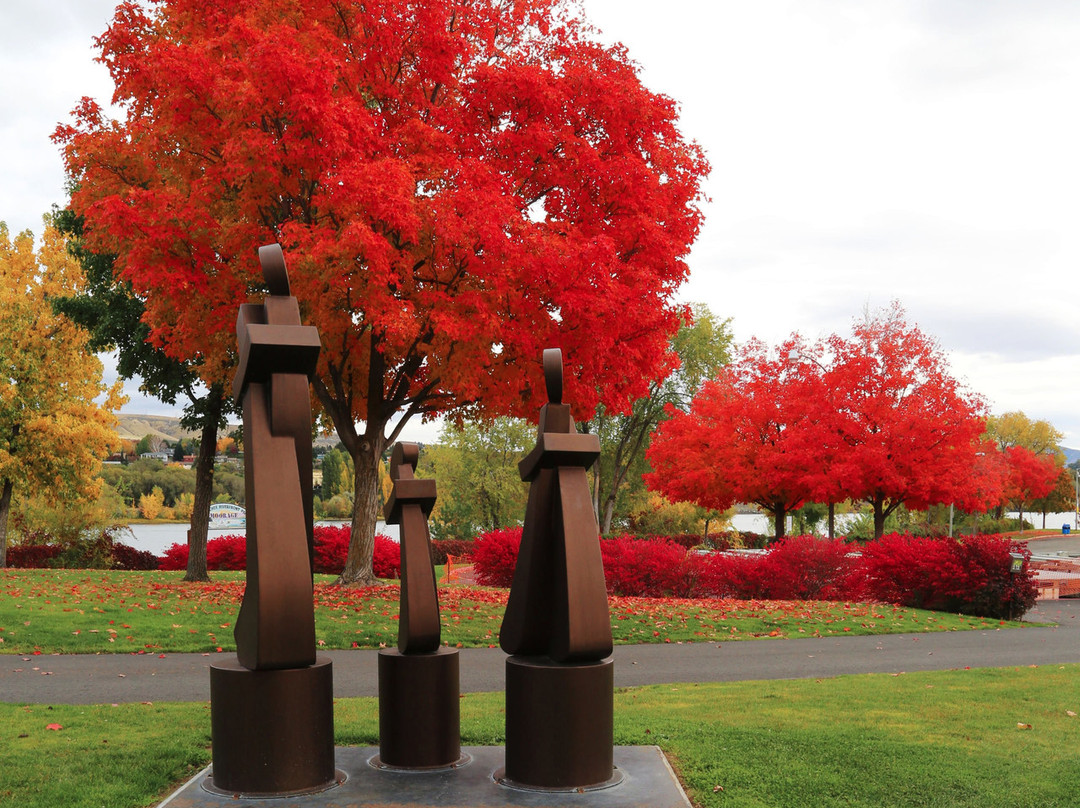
1022	726
53	726
1070	713
717	788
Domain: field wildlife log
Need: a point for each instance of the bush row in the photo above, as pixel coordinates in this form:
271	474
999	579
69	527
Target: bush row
331	548
970	575
100	551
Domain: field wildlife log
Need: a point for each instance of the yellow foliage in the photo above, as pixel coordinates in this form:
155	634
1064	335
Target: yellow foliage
152	504
185	504
56	416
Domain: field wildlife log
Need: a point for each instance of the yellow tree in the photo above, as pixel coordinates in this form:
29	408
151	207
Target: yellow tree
56	421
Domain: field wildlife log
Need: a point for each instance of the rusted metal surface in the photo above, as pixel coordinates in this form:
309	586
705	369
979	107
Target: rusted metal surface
419	691
419	709
409	505
272	710
276	625
558	598
559	681
559	723
269	729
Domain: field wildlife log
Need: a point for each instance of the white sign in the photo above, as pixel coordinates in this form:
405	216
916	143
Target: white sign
227	515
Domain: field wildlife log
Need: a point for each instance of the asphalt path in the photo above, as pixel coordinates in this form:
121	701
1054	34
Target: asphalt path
118	678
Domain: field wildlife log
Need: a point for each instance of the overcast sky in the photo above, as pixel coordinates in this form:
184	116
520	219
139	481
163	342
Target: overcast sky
862	152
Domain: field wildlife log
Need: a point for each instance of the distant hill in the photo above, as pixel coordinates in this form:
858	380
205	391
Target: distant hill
135	427
1071	455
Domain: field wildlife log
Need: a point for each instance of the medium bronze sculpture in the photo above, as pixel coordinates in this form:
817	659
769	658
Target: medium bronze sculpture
559	682
419	723
272	709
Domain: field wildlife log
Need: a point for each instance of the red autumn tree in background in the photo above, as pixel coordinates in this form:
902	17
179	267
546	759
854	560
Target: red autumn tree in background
1029	476
910	431
882	422
740	441
456	185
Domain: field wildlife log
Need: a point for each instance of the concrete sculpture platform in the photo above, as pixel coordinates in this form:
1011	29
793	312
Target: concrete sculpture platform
647	779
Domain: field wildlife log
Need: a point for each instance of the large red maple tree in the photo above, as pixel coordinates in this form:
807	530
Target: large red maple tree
742	440
910	432
1029	476
457	184
875	417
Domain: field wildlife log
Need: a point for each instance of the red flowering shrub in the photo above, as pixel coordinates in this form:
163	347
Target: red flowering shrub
174	558
31	556
441	548
645	568
331	548
495	554
1004	594
807	568
126	557
386	561
720	575
226	553
970	575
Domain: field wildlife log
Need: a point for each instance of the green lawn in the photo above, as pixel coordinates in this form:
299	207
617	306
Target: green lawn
1005	738
93	611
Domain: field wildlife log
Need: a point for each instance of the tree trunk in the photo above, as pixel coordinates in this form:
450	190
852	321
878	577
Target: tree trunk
879	518
358	563
5	509
832	520
609	514
779	521
204	492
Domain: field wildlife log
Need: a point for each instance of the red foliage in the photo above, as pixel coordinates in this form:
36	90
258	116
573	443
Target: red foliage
808	568
644	568
227	553
126	557
331	547
970	575
884	423
495	555
174	558
1029	476
386	561
31	556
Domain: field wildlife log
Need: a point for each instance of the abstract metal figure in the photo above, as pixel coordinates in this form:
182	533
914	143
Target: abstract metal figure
559	681
409	506
419	712
272	710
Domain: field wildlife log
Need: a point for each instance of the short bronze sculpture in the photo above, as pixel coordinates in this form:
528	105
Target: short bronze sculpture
419	714
559	680
272	710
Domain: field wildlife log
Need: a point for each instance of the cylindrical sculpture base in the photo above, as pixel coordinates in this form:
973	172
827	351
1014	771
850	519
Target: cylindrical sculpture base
419	709
272	730
559	723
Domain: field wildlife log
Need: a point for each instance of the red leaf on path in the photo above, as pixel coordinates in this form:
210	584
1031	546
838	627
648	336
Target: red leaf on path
53	726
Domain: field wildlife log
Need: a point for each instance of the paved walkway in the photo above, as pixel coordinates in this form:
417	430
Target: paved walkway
114	678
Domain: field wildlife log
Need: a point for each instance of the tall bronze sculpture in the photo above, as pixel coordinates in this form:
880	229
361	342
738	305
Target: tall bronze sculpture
272	709
559	679
419	714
